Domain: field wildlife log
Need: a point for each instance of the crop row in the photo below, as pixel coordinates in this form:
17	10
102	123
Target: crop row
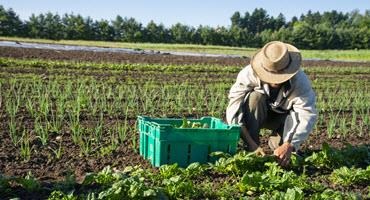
52	64
113	99
249	176
62	103
53	106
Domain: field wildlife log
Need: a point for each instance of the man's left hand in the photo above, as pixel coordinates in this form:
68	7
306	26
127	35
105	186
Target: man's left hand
283	153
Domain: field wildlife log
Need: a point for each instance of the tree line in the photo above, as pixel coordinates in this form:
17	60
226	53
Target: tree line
313	30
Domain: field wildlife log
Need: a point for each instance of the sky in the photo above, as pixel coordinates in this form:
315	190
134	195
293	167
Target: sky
189	12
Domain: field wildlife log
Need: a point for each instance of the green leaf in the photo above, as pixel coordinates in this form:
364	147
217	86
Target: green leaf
30	183
294	194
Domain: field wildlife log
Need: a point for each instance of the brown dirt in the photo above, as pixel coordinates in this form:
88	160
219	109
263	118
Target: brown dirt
15	52
46	167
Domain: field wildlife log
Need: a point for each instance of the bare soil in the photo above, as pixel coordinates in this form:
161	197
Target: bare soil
15	52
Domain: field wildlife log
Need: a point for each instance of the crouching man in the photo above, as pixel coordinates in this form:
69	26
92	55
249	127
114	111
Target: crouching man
274	93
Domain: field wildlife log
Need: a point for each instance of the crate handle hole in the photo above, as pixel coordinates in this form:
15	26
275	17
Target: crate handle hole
209	152
168	153
189	153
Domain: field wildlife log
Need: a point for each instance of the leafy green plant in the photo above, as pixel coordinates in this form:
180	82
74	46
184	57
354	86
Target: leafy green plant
194	170
105	177
4	184
240	163
332	123
44	103
168	171
330	194
25	149
75	127
343	126
274	178
98	130
12	107
122	129
13	131
330	158
30	183
41	132
58	151
350	176
113	145
290	194
180	187
177	182
134	137
55	124
128	188
85	145
118	185
59	195
31	108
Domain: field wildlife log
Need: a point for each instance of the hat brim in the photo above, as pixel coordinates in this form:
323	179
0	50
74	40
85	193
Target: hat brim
281	76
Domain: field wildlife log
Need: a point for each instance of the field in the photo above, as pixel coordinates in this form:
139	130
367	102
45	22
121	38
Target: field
66	116
345	55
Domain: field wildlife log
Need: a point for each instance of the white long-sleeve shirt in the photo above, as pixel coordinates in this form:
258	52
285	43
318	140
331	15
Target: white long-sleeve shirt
299	100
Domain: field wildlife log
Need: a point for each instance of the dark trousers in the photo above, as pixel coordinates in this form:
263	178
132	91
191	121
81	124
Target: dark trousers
257	115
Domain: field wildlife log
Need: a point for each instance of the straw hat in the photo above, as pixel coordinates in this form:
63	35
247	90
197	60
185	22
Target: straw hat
276	62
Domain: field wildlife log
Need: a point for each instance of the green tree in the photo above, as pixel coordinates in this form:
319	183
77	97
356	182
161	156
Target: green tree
236	20
207	34
104	31
311	18
117	25
10	24
279	22
131	30
52	26
303	35
156	33
35	26
181	33
74	27
89	29
333	18
259	21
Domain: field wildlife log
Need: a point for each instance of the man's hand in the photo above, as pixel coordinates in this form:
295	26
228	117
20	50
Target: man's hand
283	153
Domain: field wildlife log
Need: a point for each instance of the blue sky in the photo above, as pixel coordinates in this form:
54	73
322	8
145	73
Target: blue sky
189	12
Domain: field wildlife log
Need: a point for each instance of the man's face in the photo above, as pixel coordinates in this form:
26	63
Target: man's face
274	85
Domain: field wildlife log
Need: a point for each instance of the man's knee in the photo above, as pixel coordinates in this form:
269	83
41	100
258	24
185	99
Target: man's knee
256	99
256	109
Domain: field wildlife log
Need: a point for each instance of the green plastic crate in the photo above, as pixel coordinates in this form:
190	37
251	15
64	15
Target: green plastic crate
161	142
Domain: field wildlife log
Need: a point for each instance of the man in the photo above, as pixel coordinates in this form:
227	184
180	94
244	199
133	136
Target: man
274	93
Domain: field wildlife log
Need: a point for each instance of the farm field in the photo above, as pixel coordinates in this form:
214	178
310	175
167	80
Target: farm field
344	55
69	129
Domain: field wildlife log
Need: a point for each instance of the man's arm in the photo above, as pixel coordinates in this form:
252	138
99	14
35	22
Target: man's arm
303	117
242	85
304	112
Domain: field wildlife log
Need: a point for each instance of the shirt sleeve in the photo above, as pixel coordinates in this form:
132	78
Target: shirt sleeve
303	115
237	94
